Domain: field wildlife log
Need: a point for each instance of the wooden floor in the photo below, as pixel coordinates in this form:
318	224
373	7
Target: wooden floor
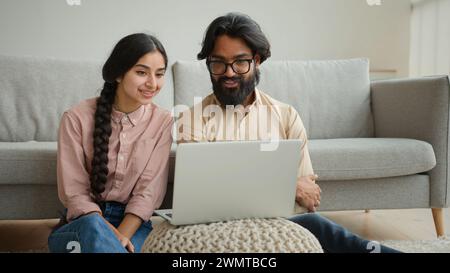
408	224
413	224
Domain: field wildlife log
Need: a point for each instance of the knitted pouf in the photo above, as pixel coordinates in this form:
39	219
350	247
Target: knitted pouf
276	235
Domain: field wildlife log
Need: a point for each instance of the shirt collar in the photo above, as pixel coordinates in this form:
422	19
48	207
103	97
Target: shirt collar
134	117
258	100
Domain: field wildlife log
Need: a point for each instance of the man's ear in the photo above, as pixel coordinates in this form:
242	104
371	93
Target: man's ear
257	60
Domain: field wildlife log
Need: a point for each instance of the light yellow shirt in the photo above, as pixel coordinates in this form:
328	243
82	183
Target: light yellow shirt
265	119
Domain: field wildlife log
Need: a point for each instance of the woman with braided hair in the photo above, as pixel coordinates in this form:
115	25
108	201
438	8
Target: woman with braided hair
113	151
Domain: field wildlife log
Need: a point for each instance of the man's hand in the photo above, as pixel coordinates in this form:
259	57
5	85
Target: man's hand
308	192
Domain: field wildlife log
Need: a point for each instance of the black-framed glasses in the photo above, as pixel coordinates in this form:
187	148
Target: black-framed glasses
240	66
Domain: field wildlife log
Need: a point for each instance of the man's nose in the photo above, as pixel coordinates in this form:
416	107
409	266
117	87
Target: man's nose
229	72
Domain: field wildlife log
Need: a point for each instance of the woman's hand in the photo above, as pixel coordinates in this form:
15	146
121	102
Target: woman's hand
126	243
308	192
124	240
129	225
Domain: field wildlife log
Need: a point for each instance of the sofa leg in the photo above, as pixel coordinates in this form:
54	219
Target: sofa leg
367	210
438	217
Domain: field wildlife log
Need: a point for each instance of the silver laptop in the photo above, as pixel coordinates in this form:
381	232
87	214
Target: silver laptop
220	181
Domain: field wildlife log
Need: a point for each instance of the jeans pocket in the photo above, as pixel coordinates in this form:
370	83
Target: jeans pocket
64	242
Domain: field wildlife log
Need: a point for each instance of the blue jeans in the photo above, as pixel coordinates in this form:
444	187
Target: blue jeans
335	238
91	234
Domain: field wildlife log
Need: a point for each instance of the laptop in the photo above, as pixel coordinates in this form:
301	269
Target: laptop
222	181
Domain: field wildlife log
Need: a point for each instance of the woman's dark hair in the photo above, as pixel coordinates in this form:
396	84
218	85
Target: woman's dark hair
123	57
236	25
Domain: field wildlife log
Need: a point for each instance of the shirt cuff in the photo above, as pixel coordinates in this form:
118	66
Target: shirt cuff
140	207
77	208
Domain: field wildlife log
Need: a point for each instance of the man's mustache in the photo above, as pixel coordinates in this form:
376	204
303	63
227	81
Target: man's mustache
223	79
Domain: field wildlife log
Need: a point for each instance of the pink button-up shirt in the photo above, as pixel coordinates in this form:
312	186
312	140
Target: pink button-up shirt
139	149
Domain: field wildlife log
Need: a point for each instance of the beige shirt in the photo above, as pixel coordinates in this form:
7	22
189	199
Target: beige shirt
265	119
139	149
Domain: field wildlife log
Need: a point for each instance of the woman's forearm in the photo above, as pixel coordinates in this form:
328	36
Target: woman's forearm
129	225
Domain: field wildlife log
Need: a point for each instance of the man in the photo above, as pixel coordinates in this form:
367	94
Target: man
234	47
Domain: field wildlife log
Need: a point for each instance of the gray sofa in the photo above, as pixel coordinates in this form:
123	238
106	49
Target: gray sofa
375	145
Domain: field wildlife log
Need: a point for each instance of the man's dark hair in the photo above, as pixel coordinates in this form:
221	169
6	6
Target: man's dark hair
236	25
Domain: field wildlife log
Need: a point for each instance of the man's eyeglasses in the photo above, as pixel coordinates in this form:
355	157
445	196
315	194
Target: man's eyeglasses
241	66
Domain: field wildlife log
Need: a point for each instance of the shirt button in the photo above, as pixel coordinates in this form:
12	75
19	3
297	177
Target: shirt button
124	135
120	158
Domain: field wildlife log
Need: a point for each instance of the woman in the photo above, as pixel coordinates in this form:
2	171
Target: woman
113	154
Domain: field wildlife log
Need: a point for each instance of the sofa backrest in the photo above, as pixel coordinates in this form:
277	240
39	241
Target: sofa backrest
34	92
332	97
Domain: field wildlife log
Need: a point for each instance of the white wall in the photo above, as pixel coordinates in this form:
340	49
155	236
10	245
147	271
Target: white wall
297	29
430	38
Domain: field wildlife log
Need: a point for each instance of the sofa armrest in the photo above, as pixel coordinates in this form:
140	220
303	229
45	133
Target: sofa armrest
419	109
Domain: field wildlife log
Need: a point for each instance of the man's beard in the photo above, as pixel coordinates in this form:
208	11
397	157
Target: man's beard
235	96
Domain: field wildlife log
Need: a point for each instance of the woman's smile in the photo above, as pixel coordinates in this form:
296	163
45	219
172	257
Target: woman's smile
147	93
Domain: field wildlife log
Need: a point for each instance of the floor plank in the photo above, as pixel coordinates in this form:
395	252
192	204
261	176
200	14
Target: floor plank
408	224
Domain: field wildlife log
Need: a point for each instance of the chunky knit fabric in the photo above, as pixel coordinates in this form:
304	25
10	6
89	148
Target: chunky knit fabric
249	235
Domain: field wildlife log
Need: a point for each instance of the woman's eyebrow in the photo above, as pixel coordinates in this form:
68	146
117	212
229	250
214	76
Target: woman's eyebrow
148	67
143	66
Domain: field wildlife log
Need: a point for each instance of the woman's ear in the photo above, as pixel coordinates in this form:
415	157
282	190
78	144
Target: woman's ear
118	80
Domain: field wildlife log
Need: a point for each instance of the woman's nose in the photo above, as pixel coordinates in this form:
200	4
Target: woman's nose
151	82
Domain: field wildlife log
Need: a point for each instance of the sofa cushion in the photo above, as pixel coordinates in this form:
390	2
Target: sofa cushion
28	163
332	97
333	159
365	158
34	92
34	162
